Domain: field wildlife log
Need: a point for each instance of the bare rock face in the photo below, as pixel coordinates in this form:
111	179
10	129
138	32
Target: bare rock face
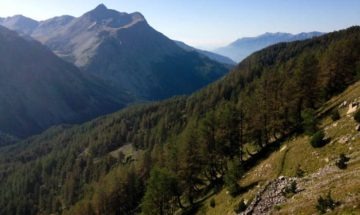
272	194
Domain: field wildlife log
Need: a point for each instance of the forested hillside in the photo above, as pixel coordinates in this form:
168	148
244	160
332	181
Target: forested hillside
39	90
184	147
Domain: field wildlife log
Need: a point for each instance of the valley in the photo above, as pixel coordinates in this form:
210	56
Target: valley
103	114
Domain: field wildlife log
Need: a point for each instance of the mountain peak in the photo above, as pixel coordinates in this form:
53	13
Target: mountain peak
102	12
101	7
112	18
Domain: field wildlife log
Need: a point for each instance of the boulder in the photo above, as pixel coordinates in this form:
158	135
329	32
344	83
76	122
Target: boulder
357	128
342	105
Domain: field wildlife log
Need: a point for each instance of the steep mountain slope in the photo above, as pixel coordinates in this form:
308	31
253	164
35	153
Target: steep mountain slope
48	28
211	55
243	47
125	51
320	173
6	139
37	89
189	147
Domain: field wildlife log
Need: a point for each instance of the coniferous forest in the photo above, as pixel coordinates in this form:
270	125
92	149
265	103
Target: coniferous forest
168	156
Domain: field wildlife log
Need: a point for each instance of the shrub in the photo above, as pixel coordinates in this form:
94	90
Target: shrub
240	207
357	116
233	188
290	190
293	187
317	139
342	161
335	115
212	203
277	207
325	203
299	172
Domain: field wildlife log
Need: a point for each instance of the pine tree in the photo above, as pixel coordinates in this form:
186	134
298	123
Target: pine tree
160	196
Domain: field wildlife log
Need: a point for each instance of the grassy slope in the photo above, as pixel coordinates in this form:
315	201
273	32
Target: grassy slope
321	173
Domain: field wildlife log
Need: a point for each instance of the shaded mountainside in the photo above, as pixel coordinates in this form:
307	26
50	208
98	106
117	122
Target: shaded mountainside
38	89
244	47
185	148
125	51
6	139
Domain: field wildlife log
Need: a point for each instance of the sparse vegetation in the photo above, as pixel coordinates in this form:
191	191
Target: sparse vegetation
299	172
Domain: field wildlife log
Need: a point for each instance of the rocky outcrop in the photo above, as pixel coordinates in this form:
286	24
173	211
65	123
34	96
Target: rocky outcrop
271	195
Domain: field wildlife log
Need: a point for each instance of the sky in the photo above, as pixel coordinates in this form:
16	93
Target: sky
209	24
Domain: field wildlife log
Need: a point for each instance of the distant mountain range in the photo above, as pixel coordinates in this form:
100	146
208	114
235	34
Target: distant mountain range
213	56
38	89
123	50
242	48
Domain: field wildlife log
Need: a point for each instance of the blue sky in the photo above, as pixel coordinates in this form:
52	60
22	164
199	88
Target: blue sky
209	23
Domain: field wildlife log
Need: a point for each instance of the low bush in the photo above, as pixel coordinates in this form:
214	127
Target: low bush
212	203
335	115
290	190
317	139
325	203
240	207
299	172
357	116
341	163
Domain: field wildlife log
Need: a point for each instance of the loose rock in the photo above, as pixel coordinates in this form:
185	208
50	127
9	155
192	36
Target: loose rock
268	197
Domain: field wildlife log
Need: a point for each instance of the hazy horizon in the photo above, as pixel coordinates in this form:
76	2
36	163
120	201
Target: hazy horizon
209	24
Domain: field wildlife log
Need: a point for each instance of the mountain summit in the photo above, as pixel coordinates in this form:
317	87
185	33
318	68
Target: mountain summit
101	7
112	18
125	51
